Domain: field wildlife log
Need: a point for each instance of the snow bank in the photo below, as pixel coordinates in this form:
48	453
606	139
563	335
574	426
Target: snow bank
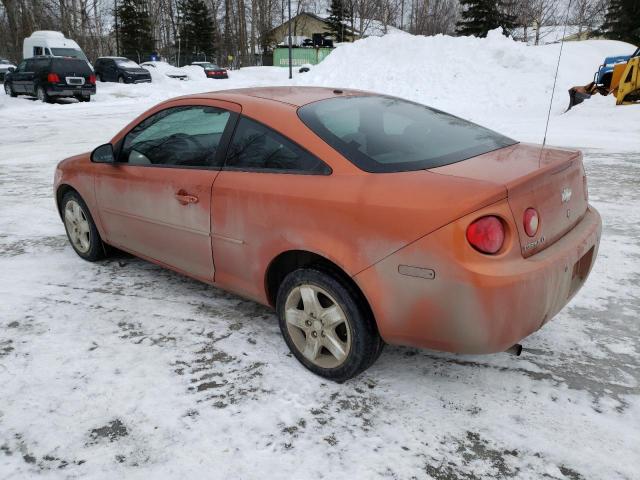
494	81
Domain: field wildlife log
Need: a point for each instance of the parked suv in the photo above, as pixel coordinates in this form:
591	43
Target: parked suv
121	70
51	77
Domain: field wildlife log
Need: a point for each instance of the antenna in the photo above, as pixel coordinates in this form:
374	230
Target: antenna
555	79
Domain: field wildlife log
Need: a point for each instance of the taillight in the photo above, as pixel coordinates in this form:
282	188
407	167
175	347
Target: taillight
53	78
92	79
486	234
531	221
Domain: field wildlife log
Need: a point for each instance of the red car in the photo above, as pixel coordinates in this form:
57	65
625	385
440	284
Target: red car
211	70
360	218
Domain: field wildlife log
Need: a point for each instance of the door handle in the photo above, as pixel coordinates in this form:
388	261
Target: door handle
185	198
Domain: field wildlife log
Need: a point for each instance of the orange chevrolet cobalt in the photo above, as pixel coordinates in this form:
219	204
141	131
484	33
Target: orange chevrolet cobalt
361	218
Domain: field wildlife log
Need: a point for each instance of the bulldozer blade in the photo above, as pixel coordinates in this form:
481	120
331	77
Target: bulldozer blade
577	95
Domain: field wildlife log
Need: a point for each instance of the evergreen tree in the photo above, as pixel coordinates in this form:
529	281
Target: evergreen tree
135	32
197	31
622	21
338	15
480	16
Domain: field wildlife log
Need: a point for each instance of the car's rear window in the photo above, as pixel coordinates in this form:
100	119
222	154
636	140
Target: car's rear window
386	134
71	66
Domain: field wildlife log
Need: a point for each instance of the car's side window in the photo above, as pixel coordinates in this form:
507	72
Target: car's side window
39	64
22	67
181	136
37	51
29	67
256	147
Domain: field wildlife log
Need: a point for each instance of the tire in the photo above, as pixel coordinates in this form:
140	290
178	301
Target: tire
121	79
42	95
8	89
83	98
326	325
81	229
99	77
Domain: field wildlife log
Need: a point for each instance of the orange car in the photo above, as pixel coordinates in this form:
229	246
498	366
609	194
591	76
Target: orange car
360	218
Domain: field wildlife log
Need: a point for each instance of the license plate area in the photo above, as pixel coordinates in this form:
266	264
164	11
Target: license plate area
74	80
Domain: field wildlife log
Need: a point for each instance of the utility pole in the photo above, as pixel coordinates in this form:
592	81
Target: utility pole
290	52
178	62
115	13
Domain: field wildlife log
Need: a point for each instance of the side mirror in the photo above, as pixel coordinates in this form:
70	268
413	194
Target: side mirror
11	69
103	154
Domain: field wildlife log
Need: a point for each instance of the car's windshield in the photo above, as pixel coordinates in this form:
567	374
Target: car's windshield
126	63
386	134
68	52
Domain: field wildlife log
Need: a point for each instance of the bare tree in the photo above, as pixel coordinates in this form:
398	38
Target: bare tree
587	15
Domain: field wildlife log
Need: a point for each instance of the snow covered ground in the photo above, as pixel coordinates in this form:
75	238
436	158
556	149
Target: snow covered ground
124	370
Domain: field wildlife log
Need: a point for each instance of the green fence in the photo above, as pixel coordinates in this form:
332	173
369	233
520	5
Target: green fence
299	56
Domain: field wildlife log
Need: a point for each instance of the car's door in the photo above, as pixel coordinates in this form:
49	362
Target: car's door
266	178
111	70
155	201
37	73
29	78
99	68
17	78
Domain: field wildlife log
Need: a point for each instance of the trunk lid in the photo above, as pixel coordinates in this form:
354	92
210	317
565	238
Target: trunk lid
553	183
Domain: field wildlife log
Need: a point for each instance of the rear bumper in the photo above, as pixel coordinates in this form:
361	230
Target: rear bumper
476	303
66	91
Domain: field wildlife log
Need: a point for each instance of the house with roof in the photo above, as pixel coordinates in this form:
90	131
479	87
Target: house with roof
311	26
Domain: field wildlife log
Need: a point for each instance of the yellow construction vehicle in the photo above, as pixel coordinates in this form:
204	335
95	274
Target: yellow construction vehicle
619	76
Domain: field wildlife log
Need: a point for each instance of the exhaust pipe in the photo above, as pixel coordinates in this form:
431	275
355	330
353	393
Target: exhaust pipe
515	350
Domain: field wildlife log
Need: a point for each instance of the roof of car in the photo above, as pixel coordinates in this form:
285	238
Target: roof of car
296	96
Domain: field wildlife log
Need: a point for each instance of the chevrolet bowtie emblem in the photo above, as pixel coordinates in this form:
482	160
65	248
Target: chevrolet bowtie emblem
566	195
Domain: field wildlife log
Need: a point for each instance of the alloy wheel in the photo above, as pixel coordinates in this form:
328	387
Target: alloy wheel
7	89
318	326
41	95
77	224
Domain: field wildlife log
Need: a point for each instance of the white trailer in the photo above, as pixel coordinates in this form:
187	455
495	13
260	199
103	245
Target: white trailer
46	42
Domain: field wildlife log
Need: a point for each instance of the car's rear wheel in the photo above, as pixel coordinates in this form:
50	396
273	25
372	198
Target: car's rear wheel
99	77
9	90
81	229
42	95
83	98
325	324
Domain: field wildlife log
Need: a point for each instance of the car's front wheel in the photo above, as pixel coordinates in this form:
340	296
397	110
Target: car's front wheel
326	325
8	89
121	79
81	229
